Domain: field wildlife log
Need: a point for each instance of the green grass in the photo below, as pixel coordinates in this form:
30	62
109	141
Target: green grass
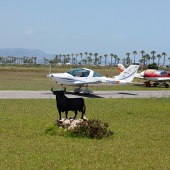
141	137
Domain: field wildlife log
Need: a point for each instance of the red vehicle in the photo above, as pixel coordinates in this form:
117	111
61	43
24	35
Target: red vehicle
156	76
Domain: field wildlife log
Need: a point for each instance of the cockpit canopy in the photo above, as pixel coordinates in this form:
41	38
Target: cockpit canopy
82	72
156	73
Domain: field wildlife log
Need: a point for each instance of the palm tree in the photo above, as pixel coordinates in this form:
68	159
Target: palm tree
47	61
19	60
1	59
115	57
30	60
105	58
35	59
164	54
76	57
23	59
72	58
56	59
90	54
86	54
100	59
147	57
9	59
142	52
135	53
124	60
141	61
95	60
111	56
64	60
44	60
83	61
144	59
60	55
68	58
159	57
89	59
128	58
118	59
81	54
27	60
12	60
153	56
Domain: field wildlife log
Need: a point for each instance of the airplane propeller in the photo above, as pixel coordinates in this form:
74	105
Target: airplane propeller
49	74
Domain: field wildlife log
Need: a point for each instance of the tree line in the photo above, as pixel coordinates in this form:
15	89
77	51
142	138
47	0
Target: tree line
90	58
18	60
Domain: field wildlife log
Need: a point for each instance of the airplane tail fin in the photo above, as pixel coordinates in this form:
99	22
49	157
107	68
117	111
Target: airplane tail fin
121	68
128	74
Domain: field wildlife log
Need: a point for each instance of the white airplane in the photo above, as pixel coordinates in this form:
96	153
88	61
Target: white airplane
80	77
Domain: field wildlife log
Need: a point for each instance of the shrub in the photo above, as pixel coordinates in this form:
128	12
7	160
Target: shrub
152	66
92	129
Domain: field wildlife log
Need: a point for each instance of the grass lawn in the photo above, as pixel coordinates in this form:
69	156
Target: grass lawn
141	137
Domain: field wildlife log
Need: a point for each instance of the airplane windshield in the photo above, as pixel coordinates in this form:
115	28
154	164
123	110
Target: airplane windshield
79	72
163	73
97	75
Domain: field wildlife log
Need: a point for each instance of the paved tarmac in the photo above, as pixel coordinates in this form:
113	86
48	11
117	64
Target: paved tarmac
5	94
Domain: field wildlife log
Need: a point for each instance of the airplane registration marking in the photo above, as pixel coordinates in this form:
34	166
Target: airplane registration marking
128	75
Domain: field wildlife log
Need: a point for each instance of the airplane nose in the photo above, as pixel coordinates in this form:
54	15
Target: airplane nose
49	76
142	73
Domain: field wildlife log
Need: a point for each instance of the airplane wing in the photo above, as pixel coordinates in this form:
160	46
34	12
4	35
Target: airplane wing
161	79
135	83
87	82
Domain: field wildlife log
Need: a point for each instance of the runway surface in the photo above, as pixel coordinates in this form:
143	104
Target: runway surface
5	94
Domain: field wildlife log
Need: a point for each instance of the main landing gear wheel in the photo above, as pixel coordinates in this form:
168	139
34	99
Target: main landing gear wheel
167	85
155	84
77	90
87	91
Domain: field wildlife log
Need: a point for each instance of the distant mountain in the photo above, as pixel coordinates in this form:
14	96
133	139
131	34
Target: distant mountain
21	52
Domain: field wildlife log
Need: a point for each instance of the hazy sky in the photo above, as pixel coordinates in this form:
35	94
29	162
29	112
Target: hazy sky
78	26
